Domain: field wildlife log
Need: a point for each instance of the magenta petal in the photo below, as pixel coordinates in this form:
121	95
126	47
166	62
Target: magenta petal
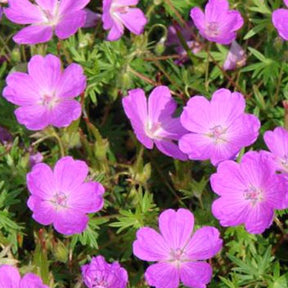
117	30
279	20
126	2
70	23
150	245
160	104
205	244
43	211
134	20
176	227
21	89
69	173
259	219
277	141
33	117
195	274
198	18
72	82
170	149
87	198
69	6
92	18
40	181
70	221
9	276
31	280
64	113
48	5
162	275
23	12
45	71
34	34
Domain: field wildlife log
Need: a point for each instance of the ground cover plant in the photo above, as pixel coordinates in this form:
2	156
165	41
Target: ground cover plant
143	143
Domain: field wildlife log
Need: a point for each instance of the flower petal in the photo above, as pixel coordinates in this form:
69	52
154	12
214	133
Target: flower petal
31	280
9	277
176	227
279	20
150	245
205	244
170	149
34	34
162	275
69	6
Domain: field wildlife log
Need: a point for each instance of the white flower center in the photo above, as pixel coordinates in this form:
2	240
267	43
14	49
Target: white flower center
217	133
253	194
212	29
51	18
59	200
49	101
178	256
153	130
284	162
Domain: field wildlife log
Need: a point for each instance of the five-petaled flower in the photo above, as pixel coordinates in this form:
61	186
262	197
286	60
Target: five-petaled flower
46	94
279	20
218	128
218	23
64	17
61	197
101	274
249	192
153	123
180	253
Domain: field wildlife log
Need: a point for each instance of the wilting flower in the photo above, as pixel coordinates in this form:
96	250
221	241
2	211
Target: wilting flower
249	192
64	17
277	142
61	197
218	23
92	18
279	20
219	128
236	57
35	158
180	253
117	14
10	278
46	94
153	123
100	274
187	33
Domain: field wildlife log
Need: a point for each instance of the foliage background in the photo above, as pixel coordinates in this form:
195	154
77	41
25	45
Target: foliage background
141	183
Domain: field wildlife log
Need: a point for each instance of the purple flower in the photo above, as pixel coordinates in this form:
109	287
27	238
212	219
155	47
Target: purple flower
10	278
277	142
46	94
236	57
92	18
180	254
187	33
117	14
218	23
64	17
279	20
219	128
35	158
99	273
249	192
5	136
153	123
61	197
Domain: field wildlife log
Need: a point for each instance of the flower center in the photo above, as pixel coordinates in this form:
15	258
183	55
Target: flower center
49	101
51	18
118	9
178	256
59	200
284	162
153	130
217	133
212	29
253	194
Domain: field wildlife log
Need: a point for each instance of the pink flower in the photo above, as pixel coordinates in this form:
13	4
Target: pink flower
249	192
153	123
277	142
10	278
61	197
180	254
236	57
279	20
99	273
64	17
117	14
218	24
92	18
218	128
46	94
